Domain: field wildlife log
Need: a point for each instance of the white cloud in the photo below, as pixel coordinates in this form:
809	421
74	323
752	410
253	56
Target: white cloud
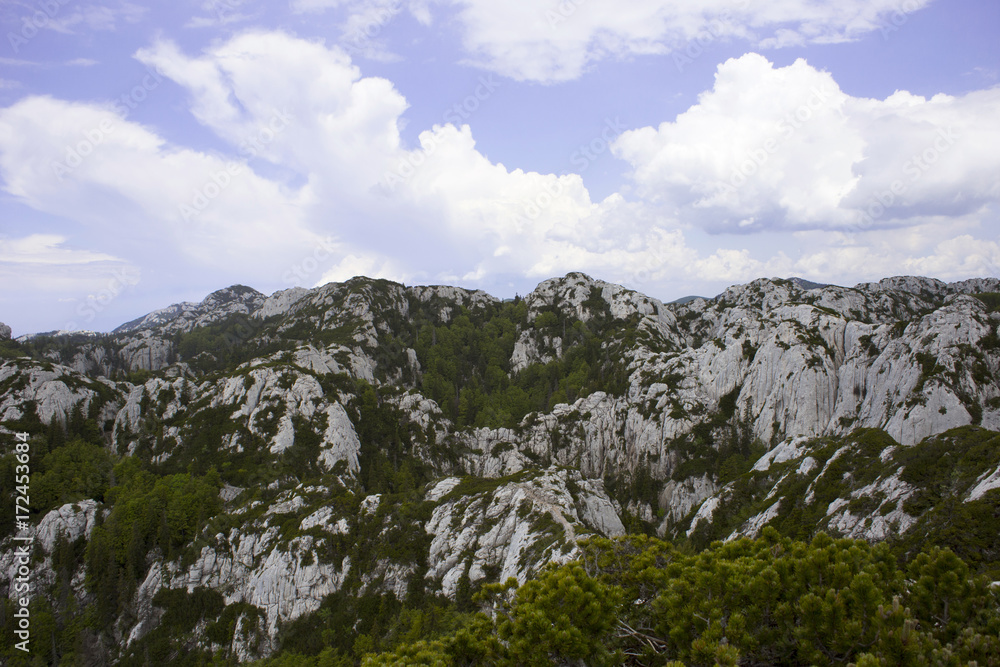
958	257
314	6
339	124
372	266
84	163
557	41
325	189
86	281
360	33
47	249
293	106
931	249
95	17
439	209
785	148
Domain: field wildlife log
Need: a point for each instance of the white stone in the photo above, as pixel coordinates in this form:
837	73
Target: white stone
73	520
984	485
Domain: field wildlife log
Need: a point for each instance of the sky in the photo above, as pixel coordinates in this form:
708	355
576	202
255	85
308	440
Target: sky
151	153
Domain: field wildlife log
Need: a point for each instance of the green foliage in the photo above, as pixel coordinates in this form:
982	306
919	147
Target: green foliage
640	601
207	429
943	469
11	349
168	642
388	439
562	615
148	512
723	446
990	299
224	344
183	610
326	658
929	367
349	624
75	471
857	458
466	361
422	652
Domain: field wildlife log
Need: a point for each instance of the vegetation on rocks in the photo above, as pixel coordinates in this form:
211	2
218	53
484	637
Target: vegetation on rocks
379	475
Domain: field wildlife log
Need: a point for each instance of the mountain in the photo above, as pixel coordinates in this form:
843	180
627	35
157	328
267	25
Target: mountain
258	475
808	284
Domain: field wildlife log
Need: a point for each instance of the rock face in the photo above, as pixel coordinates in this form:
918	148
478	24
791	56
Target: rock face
506	529
51	392
273	404
340	477
4	331
71	522
185	316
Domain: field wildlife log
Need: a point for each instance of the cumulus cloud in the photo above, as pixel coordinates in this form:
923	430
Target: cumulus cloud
931	249
785	148
85	163
337	123
335	163
314	183
468	216
372	266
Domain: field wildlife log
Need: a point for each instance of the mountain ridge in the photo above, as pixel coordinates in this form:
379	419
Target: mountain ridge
238	292
365	440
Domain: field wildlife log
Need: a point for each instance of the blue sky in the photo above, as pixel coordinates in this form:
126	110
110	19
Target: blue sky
152	153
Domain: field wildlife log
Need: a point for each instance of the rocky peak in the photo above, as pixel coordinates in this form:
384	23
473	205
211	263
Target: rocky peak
4	331
807	285
281	302
763	294
568	292
235	293
463	297
976	286
927	287
444	298
182	317
579	295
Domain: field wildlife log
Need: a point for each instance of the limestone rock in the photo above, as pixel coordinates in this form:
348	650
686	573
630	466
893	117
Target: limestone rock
281	302
54	391
185	316
72	521
505	528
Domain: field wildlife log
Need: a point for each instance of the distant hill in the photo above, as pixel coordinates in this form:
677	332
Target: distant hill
685	300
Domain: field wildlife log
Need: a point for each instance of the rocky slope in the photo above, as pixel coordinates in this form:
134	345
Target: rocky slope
366	439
